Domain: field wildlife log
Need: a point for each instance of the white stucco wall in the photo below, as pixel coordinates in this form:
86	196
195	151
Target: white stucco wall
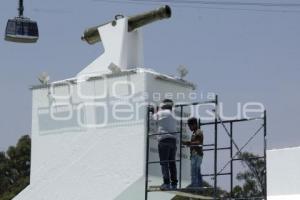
81	152
283	175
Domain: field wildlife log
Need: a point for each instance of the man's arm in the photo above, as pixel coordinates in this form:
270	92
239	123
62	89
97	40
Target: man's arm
198	141
187	143
199	137
155	115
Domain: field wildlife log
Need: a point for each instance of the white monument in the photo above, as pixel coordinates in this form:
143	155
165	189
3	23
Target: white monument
89	132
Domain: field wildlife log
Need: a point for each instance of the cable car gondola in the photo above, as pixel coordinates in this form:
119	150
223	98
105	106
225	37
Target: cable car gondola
21	29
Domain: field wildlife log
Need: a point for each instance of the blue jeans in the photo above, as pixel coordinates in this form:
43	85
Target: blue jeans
167	152
196	161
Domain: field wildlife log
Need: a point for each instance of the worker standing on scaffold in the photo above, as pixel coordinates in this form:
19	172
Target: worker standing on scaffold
196	152
167	144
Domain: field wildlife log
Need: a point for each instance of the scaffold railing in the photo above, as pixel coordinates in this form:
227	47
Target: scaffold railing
211	147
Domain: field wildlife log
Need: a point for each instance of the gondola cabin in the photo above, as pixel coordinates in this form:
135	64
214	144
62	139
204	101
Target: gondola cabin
21	29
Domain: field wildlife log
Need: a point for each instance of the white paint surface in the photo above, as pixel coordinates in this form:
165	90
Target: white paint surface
284	197
80	150
88	161
283	175
122	48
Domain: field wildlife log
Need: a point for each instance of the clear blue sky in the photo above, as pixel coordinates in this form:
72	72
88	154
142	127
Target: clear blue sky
242	55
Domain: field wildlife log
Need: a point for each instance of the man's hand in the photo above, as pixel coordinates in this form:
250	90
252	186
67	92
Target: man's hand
187	143
151	109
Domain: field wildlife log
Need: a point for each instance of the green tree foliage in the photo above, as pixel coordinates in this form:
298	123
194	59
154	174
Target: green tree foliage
253	181
15	168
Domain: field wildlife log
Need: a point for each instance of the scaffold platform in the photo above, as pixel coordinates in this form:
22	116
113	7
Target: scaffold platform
184	192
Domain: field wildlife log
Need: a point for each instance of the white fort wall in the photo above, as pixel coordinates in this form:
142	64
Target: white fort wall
81	152
283	175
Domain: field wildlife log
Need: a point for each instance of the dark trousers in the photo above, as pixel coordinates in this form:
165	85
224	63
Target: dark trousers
167	151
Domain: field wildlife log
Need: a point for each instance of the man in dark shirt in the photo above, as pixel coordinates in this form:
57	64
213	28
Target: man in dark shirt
196	152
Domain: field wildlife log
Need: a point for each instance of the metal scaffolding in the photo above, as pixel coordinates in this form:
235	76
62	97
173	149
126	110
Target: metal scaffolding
214	147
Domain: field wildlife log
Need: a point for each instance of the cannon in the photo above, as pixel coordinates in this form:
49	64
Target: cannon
92	36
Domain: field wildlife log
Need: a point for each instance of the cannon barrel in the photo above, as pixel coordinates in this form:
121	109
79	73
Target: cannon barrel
137	21
91	35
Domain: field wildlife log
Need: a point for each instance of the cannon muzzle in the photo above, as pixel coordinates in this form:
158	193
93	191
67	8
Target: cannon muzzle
91	35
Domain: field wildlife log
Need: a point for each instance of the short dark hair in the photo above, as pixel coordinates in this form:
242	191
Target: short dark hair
192	120
167	104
